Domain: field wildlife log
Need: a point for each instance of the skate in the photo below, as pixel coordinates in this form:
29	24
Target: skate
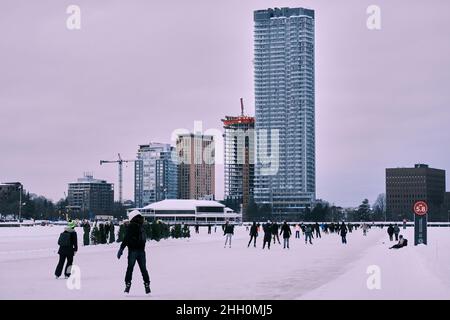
127	287
147	288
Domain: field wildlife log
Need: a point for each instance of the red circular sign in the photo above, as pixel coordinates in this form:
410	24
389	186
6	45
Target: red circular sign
420	208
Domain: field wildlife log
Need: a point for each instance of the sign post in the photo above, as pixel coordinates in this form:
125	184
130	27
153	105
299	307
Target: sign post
420	222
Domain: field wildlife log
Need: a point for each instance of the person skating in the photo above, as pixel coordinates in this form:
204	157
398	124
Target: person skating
112	234
286	231
390	232
297	231
102	233
228	232
107	231
135	240
317	228
401	243
343	230
68	246
253	234
365	227
396	231
209	229
308	234
86	233
267	228
275	228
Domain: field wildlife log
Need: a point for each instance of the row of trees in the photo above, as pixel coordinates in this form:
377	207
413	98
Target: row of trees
42	208
323	211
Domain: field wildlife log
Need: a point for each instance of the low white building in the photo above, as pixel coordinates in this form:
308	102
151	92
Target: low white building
190	211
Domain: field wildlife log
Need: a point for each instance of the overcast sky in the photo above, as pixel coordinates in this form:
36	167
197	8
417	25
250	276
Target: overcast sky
137	70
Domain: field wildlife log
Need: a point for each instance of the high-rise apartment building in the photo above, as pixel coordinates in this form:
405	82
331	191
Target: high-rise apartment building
155	174
196	176
285	109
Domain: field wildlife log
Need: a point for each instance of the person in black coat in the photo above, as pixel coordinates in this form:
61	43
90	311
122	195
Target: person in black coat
317	229
286	231
343	230
135	239
228	232
267	227
275	228
87	233
253	234
68	246
390	231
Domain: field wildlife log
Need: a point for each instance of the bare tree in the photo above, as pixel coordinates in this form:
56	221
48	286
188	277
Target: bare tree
379	207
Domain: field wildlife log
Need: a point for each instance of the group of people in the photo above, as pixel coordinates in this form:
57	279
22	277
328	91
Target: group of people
394	230
105	232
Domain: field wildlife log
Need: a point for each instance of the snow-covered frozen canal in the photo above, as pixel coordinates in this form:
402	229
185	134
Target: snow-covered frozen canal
201	268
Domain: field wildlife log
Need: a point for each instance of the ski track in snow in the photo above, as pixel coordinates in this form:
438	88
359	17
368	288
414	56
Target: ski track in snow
201	268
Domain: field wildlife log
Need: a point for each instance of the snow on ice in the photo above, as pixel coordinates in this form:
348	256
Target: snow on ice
201	268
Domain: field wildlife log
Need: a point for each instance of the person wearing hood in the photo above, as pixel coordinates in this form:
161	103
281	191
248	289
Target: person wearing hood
68	246
87	232
135	240
390	232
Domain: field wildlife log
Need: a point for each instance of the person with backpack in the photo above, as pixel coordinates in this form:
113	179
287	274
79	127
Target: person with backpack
68	246
135	240
228	232
253	234
286	231
401	243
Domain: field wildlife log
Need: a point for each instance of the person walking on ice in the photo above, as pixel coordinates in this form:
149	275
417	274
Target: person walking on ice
396	231
267	227
253	234
297	231
68	246
344	233
308	234
228	232
135	240
286	231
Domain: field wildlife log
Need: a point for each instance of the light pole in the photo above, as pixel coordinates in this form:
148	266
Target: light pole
20	200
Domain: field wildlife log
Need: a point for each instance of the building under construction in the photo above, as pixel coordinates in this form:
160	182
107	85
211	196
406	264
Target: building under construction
239	159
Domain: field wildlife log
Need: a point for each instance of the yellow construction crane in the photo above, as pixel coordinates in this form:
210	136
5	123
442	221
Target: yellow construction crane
120	162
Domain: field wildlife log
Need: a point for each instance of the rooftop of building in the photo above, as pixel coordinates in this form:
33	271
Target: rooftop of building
182	204
285	12
88	178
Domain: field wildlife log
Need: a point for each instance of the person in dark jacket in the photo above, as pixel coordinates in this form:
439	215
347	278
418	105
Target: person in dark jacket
401	243
286	231
390	231
396	231
209	229
275	228
135	240
228	232
343	229
267	227
308	234
253	234
112	233
86	233
68	246
317	229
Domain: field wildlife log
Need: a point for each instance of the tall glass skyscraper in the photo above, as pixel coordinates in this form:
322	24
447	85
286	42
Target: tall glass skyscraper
155	174
284	103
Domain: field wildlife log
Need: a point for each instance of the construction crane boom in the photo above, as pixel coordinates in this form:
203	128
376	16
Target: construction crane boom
120	163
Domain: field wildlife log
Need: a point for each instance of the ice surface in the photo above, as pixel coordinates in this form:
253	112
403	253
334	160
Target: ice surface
201	268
